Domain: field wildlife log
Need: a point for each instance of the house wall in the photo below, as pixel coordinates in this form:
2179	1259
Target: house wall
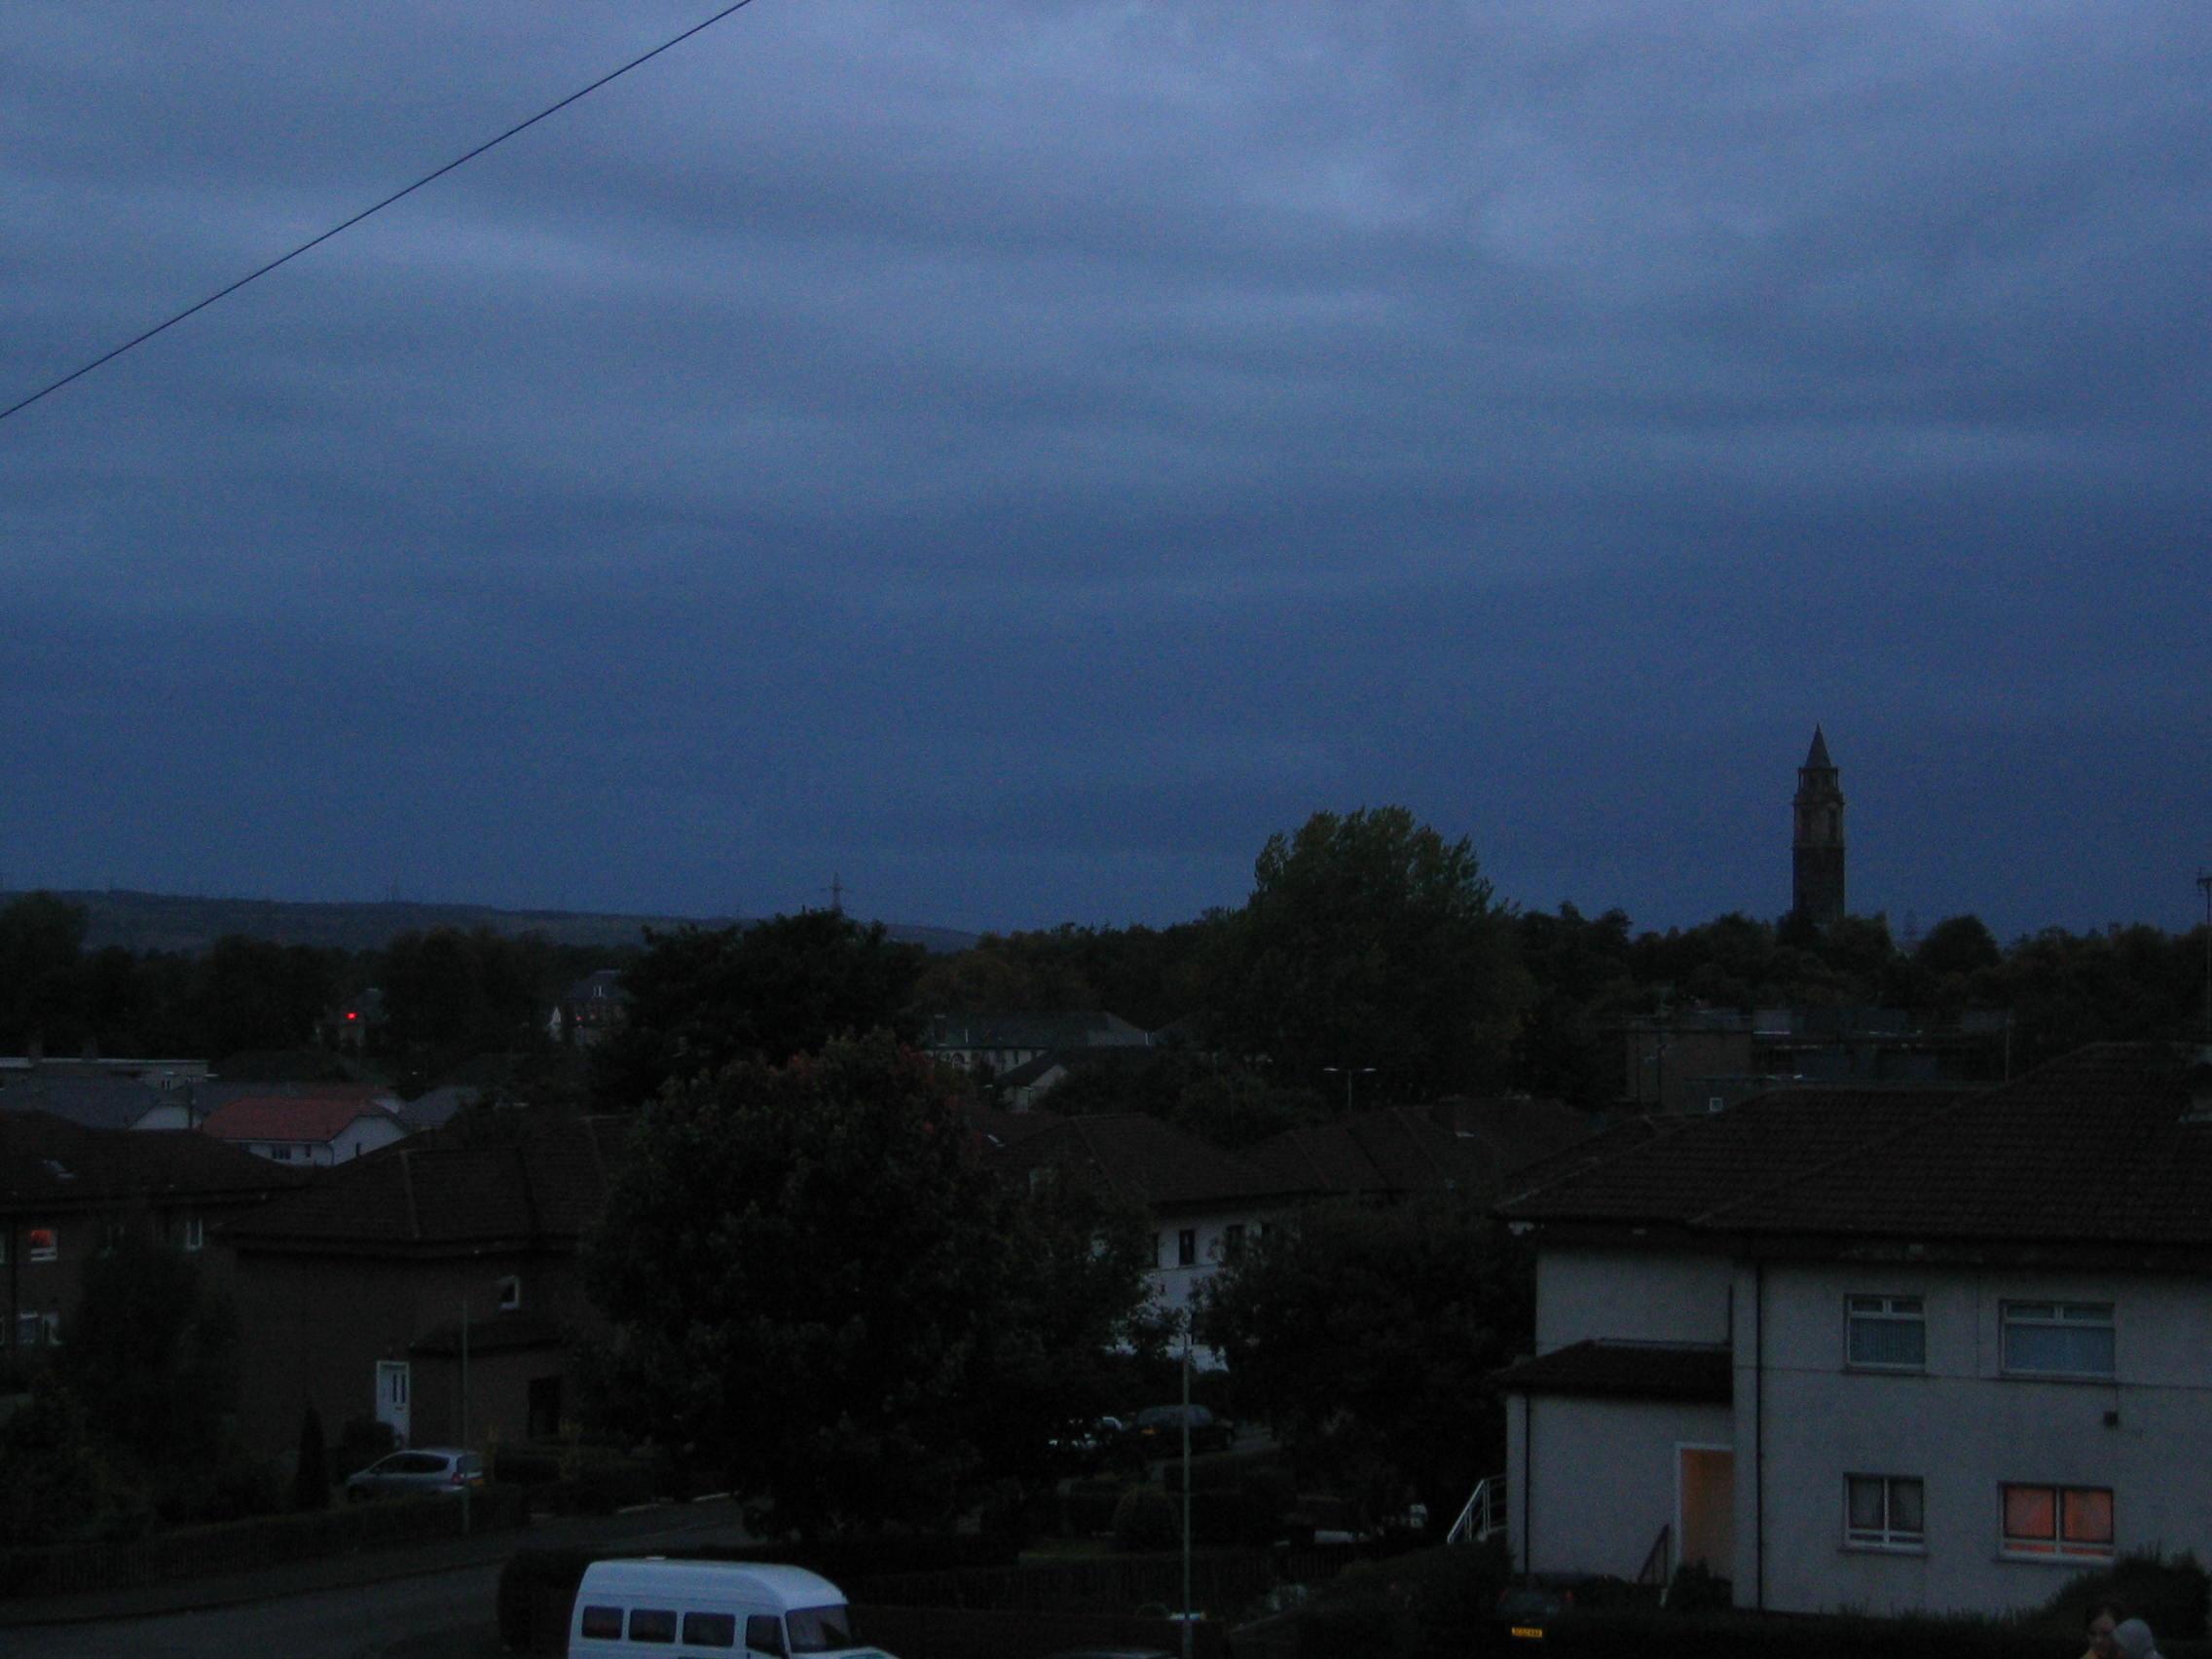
316	1325
1592	1482
1629	1296
1174	1286
1963	1428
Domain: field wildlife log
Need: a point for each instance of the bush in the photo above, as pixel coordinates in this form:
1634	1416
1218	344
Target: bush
360	1443
2173	1597
1696	1588
1147	1520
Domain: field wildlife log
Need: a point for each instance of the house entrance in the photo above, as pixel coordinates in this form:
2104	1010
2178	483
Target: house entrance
395	1397
1706	1502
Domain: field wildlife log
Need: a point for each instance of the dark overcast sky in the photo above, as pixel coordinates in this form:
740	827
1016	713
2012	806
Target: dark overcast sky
1019	453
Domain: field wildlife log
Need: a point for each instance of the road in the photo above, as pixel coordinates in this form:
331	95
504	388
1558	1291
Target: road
396	1617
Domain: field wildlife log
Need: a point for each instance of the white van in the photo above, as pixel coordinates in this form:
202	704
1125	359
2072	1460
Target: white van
706	1610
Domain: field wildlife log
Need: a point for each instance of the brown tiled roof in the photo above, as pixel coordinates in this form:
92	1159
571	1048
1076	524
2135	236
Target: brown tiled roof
1143	1159
1680	1169
2097	1148
47	1160
545	1190
1640	1371
1390	1151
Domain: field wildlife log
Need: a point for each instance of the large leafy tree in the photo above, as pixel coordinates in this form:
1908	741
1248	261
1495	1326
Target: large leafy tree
701	998
1369	940
151	1351
41	938
820	1289
1366	1335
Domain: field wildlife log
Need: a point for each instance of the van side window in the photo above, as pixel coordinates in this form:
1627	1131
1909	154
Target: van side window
709	1630
652	1624
602	1623
764	1633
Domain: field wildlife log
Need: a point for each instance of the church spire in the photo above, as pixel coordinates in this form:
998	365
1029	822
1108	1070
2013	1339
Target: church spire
1817	848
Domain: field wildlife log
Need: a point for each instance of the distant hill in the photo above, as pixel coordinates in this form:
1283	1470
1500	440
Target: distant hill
165	921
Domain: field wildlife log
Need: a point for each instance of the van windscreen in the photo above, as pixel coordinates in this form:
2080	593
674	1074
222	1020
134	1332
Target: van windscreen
820	1630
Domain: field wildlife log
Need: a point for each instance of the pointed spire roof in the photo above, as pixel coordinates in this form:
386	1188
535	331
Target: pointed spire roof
1817	756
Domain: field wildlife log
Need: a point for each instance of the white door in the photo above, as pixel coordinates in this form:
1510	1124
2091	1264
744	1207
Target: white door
393	1396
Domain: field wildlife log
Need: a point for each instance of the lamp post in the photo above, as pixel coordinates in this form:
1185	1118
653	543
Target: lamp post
1347	1072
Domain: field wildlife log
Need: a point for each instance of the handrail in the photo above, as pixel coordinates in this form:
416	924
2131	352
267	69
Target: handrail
1484	1515
1655	1569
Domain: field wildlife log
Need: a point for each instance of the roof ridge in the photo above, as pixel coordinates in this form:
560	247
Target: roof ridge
1824	1165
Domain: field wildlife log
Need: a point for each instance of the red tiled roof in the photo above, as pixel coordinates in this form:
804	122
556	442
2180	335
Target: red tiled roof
2097	1148
280	1118
1641	1371
547	1188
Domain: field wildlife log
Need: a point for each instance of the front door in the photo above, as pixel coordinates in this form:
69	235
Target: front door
393	1397
1708	1498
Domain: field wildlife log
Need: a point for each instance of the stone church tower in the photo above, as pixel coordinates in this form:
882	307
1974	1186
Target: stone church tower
1817	850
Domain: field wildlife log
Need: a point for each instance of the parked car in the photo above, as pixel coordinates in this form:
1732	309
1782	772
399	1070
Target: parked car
434	1469
1084	1447
1526	1614
1159	1430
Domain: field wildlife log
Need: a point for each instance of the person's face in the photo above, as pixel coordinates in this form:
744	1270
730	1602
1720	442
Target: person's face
2101	1642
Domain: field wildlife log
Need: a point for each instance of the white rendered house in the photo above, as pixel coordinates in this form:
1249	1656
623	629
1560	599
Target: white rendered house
1878	1350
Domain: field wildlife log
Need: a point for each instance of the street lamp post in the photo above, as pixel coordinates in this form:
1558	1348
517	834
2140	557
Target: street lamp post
1347	1072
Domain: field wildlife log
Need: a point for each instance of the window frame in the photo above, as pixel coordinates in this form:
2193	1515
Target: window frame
42	1243
1888	1313
1889	1537
2058	1545
1187	1247
2019	1314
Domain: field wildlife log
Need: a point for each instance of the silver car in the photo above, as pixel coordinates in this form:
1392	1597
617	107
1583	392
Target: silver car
435	1470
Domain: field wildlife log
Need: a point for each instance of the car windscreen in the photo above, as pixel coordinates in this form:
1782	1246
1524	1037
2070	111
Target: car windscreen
820	1630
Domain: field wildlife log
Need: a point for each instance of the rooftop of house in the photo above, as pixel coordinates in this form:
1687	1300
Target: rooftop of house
290	1118
1144	1159
96	1102
1079	1029
48	1161
545	1189
2111	1145
1463	1145
1646	1371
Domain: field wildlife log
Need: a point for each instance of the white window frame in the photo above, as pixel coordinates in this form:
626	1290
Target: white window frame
1889	1535
194	1233
510	1293
2058	1547
1187	1247
50	1250
1871	1311
2056	1315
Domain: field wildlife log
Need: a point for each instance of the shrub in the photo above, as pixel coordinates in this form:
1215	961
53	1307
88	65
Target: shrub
2173	1597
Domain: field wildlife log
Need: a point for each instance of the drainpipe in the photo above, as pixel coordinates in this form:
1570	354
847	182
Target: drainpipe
1758	1440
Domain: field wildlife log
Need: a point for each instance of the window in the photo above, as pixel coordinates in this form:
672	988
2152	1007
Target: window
709	1630
1232	1240
2058	1338
764	1633
1883	1512
2058	1521
510	1293
194	1233
1187	1247
41	1245
652	1624
602	1624
1885	1333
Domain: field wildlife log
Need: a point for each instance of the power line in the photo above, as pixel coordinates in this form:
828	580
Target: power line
378	208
